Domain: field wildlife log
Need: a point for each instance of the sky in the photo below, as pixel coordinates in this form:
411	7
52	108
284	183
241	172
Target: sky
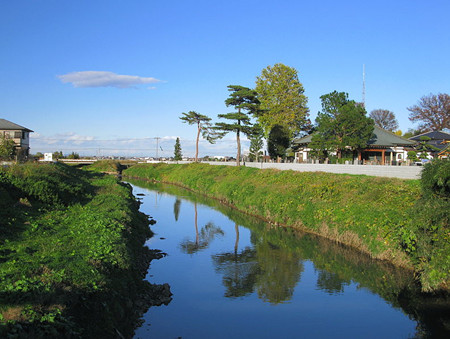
109	77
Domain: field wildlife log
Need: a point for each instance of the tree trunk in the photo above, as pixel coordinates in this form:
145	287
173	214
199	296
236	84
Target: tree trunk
196	144
236	243
238	139
197	238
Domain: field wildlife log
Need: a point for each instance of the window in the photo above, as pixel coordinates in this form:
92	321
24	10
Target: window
8	134
399	156
17	134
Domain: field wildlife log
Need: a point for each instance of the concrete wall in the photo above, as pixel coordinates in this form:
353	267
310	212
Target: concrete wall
402	172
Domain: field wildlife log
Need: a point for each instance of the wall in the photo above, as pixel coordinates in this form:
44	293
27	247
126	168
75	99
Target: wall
402	172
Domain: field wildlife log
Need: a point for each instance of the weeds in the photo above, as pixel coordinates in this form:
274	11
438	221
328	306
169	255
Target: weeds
67	237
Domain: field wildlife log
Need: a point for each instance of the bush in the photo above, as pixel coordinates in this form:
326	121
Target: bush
436	179
7	148
432	225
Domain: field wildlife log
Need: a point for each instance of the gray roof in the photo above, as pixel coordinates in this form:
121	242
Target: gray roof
380	138
304	140
8	125
434	135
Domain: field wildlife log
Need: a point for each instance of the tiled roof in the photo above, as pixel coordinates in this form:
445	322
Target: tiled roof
446	149
8	125
434	135
380	137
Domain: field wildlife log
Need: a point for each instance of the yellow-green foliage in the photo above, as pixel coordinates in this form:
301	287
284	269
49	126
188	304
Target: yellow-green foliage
373	214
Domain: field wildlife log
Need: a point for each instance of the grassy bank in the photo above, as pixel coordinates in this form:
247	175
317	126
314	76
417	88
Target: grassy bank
379	216
72	255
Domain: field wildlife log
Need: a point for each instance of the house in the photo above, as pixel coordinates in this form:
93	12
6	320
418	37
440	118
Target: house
438	139
445	153
20	135
384	147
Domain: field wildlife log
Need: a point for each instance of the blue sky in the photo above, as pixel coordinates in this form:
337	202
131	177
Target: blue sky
102	76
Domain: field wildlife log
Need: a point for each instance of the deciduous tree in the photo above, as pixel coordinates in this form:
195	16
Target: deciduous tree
7	148
283	101
385	119
204	127
432	112
246	103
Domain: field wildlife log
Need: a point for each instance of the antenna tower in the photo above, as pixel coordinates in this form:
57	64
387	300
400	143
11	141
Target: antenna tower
364	87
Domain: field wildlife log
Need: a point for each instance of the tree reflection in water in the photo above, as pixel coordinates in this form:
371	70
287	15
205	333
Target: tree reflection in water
176	208
203	238
271	271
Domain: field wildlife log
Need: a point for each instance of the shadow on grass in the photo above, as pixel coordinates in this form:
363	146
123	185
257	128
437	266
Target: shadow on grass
113	311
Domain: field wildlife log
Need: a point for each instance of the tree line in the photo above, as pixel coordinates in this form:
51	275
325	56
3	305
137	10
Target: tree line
277	110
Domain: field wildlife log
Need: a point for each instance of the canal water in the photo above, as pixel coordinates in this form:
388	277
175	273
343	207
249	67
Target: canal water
233	276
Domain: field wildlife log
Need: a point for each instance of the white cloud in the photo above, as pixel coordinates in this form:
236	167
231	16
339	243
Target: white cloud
104	79
163	147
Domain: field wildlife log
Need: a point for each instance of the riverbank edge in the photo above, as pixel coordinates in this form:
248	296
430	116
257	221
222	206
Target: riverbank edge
389	251
325	232
81	311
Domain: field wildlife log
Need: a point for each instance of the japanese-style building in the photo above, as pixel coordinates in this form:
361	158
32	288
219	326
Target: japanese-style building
438	139
383	148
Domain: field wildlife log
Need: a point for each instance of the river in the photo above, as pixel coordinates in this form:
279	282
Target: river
234	276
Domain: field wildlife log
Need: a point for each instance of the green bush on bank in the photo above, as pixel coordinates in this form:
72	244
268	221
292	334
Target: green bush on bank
431	224
375	215
70	242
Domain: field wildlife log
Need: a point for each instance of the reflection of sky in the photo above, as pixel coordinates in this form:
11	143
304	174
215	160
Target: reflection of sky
200	310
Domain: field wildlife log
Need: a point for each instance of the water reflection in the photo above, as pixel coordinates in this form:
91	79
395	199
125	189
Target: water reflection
203	238
273	265
176	208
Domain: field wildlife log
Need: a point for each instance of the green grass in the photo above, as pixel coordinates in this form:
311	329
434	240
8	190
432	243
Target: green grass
70	241
110	166
378	216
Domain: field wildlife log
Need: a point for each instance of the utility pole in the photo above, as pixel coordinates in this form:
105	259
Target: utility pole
157	143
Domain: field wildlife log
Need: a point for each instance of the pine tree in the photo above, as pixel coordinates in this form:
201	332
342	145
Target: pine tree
245	101
203	126
177	152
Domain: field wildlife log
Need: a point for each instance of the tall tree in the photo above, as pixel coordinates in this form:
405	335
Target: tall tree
283	101
384	118
177	150
246	103
432	112
256	143
278	141
342	124
204	127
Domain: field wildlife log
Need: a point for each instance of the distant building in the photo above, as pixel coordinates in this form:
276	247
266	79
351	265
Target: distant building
438	139
20	135
384	147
